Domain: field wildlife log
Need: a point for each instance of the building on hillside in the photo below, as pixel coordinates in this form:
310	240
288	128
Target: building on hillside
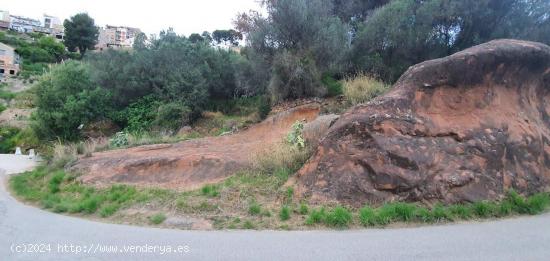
24	24
53	26
9	61
116	37
4	20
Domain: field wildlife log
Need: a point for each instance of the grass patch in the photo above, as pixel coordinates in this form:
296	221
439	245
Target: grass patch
55	190
338	217
303	209
405	212
254	209
362	88
157	218
210	191
248	225
316	216
284	214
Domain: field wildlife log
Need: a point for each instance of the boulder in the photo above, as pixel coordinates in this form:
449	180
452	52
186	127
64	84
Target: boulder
463	128
315	130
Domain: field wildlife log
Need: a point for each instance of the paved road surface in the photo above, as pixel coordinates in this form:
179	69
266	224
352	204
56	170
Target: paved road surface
526	238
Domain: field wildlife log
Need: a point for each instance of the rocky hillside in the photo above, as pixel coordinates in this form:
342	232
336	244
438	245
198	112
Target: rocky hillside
463	128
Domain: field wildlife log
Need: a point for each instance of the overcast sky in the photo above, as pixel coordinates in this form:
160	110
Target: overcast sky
185	16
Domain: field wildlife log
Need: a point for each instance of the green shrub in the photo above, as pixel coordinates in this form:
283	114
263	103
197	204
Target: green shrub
90	204
483	209
316	216
172	116
119	140
460	212
367	216
264	107
67	99
108	210
338	217
538	203
517	201
139	116
254	209
295	136
424	215
284	214
289	194
304	209
386	214
55	181
157	218
334	87
8	139
248	225
404	211
210	191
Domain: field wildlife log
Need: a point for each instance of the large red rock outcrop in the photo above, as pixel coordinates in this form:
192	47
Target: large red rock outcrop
463	128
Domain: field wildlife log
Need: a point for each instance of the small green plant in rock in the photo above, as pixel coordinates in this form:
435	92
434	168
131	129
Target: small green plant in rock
295	136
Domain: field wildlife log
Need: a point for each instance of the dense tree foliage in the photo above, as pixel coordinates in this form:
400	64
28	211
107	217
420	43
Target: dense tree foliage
406	32
297	50
164	84
300	41
80	33
67	98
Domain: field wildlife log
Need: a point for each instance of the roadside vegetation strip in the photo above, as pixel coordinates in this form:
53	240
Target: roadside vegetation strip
60	192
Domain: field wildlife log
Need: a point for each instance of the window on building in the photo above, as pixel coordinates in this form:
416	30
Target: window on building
1	70
12	72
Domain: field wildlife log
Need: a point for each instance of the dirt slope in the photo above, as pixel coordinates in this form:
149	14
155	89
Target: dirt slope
466	127
189	164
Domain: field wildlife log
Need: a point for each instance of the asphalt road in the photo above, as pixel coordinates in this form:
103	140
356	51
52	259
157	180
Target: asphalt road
28	233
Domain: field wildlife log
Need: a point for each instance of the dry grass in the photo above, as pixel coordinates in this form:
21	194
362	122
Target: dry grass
63	155
362	88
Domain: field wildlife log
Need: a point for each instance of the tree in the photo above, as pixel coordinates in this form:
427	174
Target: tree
80	33
67	98
299	40
227	37
405	32
195	38
140	42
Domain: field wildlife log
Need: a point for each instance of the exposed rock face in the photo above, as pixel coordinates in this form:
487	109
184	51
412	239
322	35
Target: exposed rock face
189	164
317	129
463	128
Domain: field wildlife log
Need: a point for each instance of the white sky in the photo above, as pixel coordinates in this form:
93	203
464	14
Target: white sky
185	16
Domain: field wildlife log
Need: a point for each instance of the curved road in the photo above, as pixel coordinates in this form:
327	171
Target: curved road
58	237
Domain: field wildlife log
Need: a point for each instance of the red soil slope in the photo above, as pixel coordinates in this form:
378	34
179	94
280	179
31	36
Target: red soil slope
189	164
